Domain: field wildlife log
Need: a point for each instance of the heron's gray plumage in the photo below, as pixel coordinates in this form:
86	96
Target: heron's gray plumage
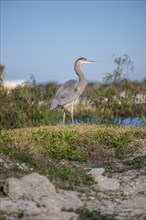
68	94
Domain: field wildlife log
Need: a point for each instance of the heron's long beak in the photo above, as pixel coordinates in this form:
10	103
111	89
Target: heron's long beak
91	61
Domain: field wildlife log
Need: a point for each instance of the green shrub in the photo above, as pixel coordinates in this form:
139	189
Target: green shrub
93	215
136	163
5	137
60	145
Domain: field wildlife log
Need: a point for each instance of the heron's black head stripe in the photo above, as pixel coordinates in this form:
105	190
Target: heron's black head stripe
81	58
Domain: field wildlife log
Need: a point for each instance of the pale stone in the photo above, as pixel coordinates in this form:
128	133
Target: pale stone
29	207
36	197
96	171
13	188
105	183
29	187
53	216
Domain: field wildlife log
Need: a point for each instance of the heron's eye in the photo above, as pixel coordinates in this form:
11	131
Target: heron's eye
75	89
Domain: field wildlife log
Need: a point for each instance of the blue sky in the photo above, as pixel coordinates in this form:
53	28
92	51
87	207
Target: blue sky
44	38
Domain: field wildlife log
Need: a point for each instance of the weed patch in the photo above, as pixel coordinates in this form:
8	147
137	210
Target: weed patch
3	217
119	140
5	137
60	145
92	215
17	154
135	163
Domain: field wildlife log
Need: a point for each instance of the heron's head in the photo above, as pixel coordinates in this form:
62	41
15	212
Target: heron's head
83	60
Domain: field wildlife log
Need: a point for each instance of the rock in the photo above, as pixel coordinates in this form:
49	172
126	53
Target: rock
96	171
53	216
5	163
37	199
69	200
63	200
30	187
35	195
104	183
1	161
31	211
13	189
126	203
27	207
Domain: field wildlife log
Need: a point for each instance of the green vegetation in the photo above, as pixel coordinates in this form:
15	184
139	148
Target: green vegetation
68	177
71	143
136	163
111	102
62	152
3	218
4	137
56	145
31	139
94	215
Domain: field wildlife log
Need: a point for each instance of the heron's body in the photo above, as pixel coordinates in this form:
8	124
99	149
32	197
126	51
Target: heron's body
68	94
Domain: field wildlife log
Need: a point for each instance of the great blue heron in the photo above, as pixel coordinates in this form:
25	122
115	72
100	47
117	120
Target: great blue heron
68	94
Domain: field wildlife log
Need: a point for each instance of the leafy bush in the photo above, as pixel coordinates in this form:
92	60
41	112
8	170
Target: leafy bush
26	106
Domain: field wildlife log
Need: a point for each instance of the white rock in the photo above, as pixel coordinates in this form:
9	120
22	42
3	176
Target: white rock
29	207
38	189
69	199
105	183
53	216
13	188
96	171
1	160
64	200
30	187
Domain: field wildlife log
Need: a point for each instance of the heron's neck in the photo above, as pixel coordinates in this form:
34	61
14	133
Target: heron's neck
82	81
79	72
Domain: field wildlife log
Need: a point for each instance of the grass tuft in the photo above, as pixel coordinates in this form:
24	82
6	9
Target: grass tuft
136	163
92	215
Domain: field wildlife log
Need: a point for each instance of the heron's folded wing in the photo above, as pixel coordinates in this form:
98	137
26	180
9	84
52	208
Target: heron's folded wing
67	92
54	104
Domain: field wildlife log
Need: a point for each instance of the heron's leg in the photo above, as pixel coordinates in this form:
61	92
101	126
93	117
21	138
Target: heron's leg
72	112
63	117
